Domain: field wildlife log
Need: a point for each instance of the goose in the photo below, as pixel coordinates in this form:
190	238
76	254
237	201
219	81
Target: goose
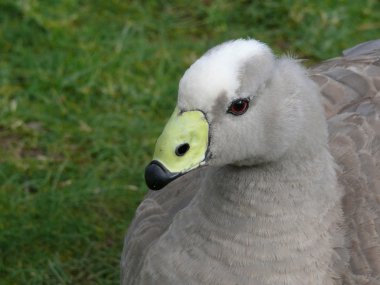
268	173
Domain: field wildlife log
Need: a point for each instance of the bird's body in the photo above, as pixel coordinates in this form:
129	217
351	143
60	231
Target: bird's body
286	197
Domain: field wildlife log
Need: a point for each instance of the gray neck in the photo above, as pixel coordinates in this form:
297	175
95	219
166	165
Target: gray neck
278	217
274	192
267	225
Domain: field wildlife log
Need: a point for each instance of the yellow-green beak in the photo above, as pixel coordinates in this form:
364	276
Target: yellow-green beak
181	147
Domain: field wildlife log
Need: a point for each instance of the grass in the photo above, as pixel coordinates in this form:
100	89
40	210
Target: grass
85	89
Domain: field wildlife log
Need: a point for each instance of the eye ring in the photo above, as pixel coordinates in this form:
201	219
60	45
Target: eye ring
238	107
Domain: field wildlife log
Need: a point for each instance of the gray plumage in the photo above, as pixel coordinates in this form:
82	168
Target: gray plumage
350	88
280	211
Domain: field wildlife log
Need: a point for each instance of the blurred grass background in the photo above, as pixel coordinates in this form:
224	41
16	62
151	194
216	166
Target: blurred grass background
85	89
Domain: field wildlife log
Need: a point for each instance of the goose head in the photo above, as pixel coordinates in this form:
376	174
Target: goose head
238	105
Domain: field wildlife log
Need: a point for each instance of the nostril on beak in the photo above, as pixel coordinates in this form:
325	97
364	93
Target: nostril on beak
182	149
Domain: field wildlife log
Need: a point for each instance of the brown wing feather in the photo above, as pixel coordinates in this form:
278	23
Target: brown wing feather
350	88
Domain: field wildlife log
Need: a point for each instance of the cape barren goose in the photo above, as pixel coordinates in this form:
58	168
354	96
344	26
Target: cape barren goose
269	174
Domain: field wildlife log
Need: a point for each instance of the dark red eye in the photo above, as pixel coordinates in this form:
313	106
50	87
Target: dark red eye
238	107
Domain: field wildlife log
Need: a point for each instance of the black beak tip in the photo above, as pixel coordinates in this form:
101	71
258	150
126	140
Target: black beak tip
157	176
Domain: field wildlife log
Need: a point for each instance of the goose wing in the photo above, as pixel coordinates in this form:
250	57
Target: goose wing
153	216
350	88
